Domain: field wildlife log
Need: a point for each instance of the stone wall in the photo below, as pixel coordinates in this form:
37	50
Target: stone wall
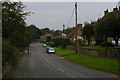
113	52
92	52
108	52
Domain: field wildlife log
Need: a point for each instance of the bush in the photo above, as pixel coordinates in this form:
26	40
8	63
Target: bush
62	42
79	43
50	44
108	44
10	54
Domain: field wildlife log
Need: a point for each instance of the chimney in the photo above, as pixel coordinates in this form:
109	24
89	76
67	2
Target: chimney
79	25
115	9
106	12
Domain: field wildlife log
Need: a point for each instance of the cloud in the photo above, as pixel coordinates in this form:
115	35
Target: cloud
53	15
53	19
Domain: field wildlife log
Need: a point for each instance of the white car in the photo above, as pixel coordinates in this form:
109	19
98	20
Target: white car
50	50
44	45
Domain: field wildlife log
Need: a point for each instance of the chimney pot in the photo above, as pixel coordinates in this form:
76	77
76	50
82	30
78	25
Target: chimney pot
106	12
115	9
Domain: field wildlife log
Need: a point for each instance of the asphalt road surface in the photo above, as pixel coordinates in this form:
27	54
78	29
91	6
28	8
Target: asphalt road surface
39	64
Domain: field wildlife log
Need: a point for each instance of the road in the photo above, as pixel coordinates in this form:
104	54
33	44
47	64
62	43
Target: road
39	64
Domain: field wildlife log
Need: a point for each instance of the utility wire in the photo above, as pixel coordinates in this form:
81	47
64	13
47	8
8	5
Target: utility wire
70	17
87	17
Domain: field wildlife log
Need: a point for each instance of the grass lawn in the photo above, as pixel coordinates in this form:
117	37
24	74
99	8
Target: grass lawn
105	64
63	52
95	47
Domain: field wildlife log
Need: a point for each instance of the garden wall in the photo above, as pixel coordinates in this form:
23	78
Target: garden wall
108	52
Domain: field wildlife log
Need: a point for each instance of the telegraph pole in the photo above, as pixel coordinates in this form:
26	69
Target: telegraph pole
76	26
63	27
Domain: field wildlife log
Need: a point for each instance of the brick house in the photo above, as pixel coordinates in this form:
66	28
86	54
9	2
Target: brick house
45	36
76	33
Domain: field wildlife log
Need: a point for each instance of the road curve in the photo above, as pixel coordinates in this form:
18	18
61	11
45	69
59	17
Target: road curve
39	64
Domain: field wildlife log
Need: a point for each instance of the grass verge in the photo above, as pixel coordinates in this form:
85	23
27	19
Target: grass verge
100	63
63	52
105	64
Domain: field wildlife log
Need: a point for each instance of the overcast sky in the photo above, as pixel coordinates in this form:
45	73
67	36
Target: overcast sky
54	14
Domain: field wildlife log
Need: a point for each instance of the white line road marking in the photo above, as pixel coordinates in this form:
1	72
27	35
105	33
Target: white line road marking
54	65
61	69
71	75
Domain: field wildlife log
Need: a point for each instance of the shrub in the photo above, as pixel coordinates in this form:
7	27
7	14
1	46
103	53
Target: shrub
62	42
108	44
10	54
50	43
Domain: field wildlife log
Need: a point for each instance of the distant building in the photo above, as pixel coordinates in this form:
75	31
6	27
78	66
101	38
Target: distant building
45	36
76	33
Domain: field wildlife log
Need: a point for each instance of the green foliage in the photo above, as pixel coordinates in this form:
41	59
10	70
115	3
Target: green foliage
13	18
10	53
48	39
14	32
109	27
105	64
68	30
107	44
50	44
88	32
78	44
34	32
14	26
65	42
62	42
57	33
63	52
57	41
54	33
46	30
19	40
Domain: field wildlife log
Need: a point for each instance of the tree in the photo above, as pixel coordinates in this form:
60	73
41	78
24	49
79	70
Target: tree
62	42
34	32
48	39
109	26
14	32
13	22
46	30
57	32
68	30
88	32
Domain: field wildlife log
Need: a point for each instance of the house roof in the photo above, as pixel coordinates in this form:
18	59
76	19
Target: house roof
47	34
79	34
73	32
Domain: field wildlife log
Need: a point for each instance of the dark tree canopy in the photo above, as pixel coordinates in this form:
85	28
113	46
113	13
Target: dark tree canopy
88	32
34	32
14	32
109	26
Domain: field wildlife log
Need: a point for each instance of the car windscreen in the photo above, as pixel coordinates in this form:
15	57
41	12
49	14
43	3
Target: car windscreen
51	49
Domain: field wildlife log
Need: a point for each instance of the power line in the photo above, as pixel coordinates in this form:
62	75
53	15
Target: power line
88	17
71	17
